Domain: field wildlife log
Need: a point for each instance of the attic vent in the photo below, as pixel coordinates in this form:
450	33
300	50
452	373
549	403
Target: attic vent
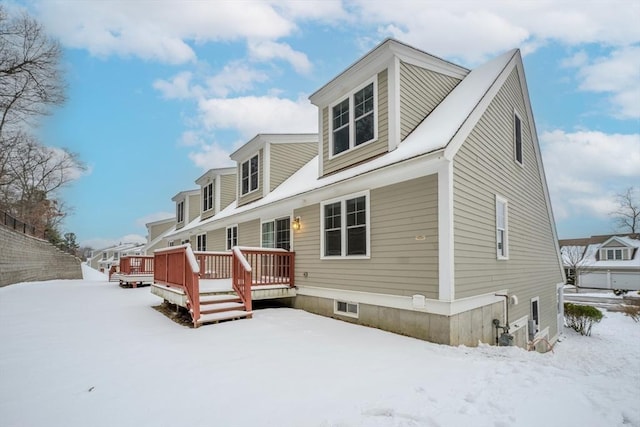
346	308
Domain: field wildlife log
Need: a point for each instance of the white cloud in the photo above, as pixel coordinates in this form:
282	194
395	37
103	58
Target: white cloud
586	169
153	217
211	156
251	115
235	77
158	30
267	50
617	74
473	30
178	87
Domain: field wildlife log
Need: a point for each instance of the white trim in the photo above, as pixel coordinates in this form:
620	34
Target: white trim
431	306
343	225
199	237
248	160
202	197
446	284
346	313
321	141
519	324
393	104
505	242
538	323
266	172
352	127
216	201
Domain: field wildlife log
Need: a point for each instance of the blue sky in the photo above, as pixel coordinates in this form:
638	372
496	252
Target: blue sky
160	91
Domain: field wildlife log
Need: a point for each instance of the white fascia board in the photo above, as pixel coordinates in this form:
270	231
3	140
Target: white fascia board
290	138
266	169
431	306
183	195
413	56
249	149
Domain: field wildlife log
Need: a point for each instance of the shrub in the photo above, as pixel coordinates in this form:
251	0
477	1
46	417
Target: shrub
581	318
631	308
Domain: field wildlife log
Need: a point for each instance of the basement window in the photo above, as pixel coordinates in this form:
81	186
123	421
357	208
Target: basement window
345	308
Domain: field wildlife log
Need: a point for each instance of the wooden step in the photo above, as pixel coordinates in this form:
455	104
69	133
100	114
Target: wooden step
220	307
219	298
225	315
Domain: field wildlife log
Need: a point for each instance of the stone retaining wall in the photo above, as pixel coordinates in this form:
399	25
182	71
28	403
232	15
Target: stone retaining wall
24	259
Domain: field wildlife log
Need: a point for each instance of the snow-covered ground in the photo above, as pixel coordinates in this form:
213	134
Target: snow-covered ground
88	353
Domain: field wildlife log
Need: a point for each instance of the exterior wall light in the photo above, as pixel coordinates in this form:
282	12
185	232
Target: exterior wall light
296	224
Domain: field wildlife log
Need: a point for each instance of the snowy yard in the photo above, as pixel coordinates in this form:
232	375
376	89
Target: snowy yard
88	353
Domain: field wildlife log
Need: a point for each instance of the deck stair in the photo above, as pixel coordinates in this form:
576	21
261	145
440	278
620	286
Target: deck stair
222	306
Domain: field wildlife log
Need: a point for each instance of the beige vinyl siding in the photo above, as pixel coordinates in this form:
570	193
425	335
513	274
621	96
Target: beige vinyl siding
286	159
483	167
216	240
404	244
158	229
254	195
421	91
249	233
227	190
612	244
365	151
193	207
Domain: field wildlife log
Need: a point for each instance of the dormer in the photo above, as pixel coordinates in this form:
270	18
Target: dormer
187	207
217	190
616	249
269	159
368	109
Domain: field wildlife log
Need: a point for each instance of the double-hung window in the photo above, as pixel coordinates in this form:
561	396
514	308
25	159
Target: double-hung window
502	244
277	234
517	134
614	254
232	237
180	211
345	227
207	197
353	120
201	242
249	175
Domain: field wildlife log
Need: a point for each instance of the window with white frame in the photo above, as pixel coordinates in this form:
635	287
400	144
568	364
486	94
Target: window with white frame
207	197
201	242
353	119
232	237
502	235
345	308
614	254
104	255
116	255
171	243
180	211
517	130
345	227
277	234
249	175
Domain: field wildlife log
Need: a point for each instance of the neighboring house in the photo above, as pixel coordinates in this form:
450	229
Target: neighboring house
603	262
420	208
103	259
187	207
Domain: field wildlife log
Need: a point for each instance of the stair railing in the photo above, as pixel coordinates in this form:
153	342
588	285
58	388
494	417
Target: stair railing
177	266
242	277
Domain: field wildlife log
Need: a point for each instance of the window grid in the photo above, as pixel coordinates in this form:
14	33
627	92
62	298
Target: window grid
353	120
501	228
249	172
232	237
180	211
345	227
201	242
207	197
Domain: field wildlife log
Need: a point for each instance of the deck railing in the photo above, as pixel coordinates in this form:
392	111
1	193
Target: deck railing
241	279
214	265
136	264
177	266
270	266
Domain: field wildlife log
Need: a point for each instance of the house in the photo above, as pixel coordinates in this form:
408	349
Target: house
421	207
603	262
156	232
103	259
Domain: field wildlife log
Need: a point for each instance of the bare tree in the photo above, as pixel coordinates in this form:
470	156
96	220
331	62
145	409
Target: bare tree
576	263
627	216
30	77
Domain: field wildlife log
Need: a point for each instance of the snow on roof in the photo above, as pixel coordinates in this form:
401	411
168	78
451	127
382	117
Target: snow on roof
433	134
590	258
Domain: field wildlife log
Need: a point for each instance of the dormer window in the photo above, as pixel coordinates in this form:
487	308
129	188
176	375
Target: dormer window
613	254
207	197
353	120
180	211
249	175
